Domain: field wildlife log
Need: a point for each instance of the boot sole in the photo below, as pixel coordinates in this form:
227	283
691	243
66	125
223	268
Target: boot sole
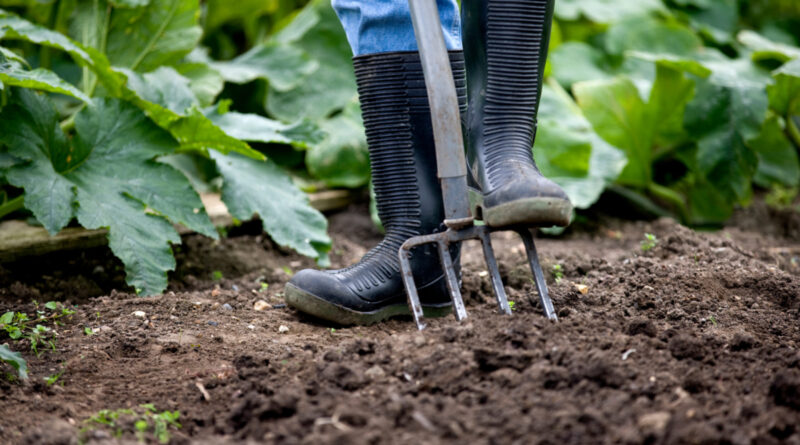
313	305
535	211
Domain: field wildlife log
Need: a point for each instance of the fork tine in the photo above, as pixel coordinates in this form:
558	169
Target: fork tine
538	276
411	288
494	272
452	281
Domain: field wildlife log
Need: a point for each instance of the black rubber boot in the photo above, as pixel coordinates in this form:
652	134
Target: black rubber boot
394	104
505	48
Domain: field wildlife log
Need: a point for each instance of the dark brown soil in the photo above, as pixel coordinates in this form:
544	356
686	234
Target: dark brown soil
694	341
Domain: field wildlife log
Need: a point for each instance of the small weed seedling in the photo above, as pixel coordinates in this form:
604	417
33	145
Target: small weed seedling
558	272
511	305
216	275
649	242
51	379
146	420
21	326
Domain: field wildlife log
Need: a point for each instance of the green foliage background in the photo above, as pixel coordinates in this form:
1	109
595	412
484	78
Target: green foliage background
116	113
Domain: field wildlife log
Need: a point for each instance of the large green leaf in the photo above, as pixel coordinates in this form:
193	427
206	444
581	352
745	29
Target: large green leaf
651	34
728	110
253	187
341	159
778	162
764	48
223	11
574	62
284	66
620	116
167	98
605	11
568	151
15	360
332	85
255	128
669	96
13	74
15	27
714	19
29	127
12	56
784	94
205	82
83	178
159	34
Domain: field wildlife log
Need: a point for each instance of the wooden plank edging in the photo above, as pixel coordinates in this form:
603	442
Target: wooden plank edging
19	239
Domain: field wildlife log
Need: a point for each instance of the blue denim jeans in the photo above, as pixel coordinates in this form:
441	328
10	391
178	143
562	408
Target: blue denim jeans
379	26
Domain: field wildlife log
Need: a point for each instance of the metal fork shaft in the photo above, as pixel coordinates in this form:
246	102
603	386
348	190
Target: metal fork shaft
494	272
538	276
411	287
452	281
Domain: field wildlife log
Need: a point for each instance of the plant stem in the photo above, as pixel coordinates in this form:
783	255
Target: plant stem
669	196
102	44
794	132
69	123
12	206
45	59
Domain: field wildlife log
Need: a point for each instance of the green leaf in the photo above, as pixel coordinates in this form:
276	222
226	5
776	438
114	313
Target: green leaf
569	152
7	317
605	11
159	34
784	94
778	162
669	96
167	98
12	56
260	187
255	128
283	66
716	20
129	3
652	35
12	74
765	49
341	159
205	82
332	85
14	27
15	360
722	120
135	203
29	127
574	62
220	12
619	115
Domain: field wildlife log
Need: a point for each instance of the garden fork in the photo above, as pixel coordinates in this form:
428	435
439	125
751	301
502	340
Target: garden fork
452	173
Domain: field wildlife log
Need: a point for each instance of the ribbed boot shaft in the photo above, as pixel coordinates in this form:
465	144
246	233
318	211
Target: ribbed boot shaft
517	35
396	114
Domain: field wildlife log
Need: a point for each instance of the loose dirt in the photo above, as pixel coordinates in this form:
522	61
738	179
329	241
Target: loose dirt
693	341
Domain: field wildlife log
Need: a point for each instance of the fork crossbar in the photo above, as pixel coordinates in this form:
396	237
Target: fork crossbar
443	241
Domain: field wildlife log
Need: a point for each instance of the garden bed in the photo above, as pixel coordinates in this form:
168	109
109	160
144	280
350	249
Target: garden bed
692	341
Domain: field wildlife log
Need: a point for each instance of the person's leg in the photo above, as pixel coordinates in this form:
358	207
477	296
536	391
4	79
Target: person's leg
397	120
379	26
505	48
